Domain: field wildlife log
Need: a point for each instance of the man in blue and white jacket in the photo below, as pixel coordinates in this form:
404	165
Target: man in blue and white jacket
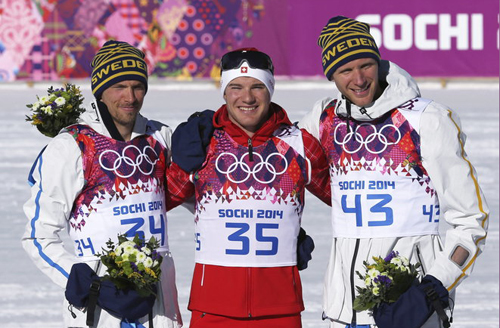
97	179
397	167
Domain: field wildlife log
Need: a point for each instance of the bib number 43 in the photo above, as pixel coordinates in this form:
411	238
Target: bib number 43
377	203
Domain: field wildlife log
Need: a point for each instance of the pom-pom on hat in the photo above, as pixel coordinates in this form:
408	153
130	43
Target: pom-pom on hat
117	61
247	62
343	40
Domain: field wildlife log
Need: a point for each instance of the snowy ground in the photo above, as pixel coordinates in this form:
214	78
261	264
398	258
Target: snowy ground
29	299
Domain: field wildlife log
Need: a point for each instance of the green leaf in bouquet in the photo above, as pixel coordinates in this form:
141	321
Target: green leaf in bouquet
59	109
385	280
133	263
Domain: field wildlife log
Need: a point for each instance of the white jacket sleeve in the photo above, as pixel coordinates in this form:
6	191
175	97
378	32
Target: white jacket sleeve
58	179
461	200
310	121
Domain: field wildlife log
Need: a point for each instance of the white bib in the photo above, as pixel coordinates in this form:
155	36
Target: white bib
248	233
376	189
142	214
248	211
124	193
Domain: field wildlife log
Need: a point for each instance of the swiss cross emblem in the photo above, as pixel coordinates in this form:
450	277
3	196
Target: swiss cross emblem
244	70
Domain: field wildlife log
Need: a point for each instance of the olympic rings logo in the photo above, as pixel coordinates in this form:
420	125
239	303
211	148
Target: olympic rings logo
368	140
262	166
132	165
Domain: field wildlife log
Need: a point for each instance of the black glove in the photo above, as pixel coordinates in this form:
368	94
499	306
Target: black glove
305	247
85	289
191	139
415	306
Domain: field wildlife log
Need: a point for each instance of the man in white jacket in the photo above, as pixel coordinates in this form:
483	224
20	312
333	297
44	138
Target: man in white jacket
398	167
99	178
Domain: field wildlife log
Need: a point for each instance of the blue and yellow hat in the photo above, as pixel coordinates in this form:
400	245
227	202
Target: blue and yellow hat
117	61
343	40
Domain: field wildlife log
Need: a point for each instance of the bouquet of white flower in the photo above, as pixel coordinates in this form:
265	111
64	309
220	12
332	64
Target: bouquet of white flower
385	280
132	264
59	109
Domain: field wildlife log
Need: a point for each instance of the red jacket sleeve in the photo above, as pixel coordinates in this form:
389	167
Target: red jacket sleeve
179	187
320	172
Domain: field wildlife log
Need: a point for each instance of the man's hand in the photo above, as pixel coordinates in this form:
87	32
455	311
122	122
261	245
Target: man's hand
85	289
191	139
305	247
415	306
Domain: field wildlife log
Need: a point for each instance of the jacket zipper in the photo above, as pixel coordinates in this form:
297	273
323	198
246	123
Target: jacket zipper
203	276
355	255
249	289
250	150
419	258
364	112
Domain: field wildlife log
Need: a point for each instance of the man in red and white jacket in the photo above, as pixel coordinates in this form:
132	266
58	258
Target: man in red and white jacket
249	195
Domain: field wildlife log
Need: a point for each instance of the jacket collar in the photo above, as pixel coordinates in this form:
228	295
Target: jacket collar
91	117
278	117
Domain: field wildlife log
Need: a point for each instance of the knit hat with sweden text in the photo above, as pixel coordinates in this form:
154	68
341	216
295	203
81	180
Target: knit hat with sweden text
343	40
117	61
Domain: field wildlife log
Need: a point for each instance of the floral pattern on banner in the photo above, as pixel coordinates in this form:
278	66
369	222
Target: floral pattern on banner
20	27
182	39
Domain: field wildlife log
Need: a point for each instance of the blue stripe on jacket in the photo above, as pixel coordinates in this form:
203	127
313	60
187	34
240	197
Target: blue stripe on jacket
31	180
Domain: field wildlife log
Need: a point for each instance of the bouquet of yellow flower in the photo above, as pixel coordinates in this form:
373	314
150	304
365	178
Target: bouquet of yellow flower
385	280
55	111
132	264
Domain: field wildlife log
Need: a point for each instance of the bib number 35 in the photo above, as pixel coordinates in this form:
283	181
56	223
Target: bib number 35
267	245
377	203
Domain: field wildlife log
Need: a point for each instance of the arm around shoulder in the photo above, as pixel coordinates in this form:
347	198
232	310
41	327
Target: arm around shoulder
310	121
163	133
319	184
179	187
